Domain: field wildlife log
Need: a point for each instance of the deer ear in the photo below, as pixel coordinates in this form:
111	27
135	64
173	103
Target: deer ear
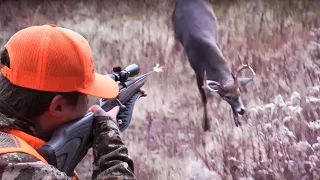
244	81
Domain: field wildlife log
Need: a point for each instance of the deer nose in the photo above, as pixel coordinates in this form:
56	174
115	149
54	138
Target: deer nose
241	111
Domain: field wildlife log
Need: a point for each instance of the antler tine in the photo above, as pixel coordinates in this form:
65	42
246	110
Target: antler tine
207	82
243	66
239	58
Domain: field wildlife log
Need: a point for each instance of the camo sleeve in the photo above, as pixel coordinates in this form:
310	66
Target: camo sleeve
111	159
21	166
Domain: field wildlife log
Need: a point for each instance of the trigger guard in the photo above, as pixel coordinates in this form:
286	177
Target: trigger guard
126	115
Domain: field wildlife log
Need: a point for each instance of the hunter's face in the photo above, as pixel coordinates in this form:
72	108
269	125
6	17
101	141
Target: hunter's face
60	112
64	112
75	112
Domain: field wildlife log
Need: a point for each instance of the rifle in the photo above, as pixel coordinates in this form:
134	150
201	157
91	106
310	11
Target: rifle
71	142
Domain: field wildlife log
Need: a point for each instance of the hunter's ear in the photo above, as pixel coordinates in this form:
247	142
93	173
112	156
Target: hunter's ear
244	81
56	106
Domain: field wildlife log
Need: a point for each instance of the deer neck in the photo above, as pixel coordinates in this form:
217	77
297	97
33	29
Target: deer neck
220	66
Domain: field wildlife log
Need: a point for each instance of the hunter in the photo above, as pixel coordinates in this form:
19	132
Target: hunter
47	74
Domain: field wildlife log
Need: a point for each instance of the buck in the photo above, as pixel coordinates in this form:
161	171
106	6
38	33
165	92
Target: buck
195	27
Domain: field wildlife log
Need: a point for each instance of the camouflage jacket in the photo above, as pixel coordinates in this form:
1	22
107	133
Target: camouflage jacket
111	160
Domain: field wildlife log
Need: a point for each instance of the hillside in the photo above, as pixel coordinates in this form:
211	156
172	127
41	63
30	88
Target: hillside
280	136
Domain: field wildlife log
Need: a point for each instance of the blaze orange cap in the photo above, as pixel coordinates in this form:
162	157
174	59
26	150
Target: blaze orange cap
55	59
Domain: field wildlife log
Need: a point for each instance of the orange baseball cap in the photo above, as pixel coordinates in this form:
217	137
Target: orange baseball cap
55	59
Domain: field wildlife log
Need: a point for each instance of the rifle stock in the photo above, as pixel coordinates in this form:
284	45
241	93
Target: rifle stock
71	142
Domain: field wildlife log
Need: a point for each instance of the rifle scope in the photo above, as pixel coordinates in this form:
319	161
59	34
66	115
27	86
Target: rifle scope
123	75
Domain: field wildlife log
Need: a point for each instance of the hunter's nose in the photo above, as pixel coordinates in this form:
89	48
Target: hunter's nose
242	111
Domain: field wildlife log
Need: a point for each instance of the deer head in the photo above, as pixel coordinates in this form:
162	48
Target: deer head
230	91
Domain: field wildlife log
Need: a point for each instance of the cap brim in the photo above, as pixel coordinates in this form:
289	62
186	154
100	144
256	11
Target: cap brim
103	87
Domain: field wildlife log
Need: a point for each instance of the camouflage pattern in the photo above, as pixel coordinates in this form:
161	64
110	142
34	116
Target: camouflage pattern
111	160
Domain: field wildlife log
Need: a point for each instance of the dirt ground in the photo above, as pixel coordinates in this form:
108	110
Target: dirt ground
279	138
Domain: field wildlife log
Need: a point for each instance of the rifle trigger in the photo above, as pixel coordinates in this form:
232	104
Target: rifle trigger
122	107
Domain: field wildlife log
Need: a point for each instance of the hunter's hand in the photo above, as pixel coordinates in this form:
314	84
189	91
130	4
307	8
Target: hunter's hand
143	92
98	111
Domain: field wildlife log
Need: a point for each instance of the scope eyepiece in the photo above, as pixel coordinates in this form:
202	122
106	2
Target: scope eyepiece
132	69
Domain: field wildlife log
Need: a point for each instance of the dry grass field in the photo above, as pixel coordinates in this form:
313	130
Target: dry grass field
280	136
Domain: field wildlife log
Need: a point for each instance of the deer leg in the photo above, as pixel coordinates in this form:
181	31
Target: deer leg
206	124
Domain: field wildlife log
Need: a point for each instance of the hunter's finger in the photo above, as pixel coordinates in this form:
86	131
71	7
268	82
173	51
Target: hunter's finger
114	111
92	108
143	92
97	110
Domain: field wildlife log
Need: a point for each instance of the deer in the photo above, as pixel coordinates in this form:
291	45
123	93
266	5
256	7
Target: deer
195	27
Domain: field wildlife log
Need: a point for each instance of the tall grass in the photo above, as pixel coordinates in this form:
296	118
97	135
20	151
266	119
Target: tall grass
279	138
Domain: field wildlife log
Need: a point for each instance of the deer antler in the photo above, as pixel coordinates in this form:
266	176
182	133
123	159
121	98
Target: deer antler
240	68
207	82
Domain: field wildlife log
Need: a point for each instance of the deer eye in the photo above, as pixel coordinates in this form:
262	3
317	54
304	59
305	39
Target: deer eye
228	97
